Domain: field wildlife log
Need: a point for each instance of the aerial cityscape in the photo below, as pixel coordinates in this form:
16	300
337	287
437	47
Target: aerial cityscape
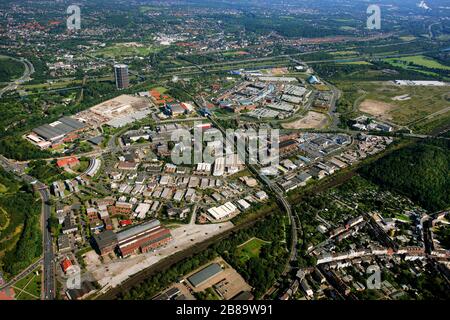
225	150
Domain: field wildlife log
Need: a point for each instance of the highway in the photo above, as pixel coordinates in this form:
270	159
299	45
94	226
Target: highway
239	64
49	265
336	95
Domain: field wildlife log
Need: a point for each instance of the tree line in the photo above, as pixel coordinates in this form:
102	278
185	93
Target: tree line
29	244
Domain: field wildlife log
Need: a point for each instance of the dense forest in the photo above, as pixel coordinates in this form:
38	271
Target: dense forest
17	148
24	215
420	171
260	272
10	69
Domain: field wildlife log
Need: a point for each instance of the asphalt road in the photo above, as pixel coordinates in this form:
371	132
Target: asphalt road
22	275
49	265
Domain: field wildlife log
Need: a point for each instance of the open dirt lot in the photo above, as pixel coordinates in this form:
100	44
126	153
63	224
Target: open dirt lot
401	105
377	109
312	120
111	273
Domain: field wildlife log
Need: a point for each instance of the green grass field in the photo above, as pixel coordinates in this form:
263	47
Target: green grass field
161	90
407	38
3	189
344	53
250	249
29	288
145	9
435	125
119	50
347	28
403	218
422	61
360	63
444	37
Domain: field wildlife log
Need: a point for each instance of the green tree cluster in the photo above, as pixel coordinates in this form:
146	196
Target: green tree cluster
421	172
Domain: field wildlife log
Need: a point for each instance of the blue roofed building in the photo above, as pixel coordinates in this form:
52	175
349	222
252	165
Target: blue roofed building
313	80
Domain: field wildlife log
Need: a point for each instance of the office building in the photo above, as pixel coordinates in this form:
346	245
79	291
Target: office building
121	76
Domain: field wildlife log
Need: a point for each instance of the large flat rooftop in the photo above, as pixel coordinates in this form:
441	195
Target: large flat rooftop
206	273
59	128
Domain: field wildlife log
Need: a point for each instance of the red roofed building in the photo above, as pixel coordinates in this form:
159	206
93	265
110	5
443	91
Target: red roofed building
124	223
70	137
66	265
69	162
120	208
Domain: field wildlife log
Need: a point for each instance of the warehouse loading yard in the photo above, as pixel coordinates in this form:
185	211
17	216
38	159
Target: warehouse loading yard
112	273
219	275
217	278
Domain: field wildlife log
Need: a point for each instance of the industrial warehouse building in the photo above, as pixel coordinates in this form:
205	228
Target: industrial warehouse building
63	130
223	211
59	129
116	113
143	238
205	274
105	242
